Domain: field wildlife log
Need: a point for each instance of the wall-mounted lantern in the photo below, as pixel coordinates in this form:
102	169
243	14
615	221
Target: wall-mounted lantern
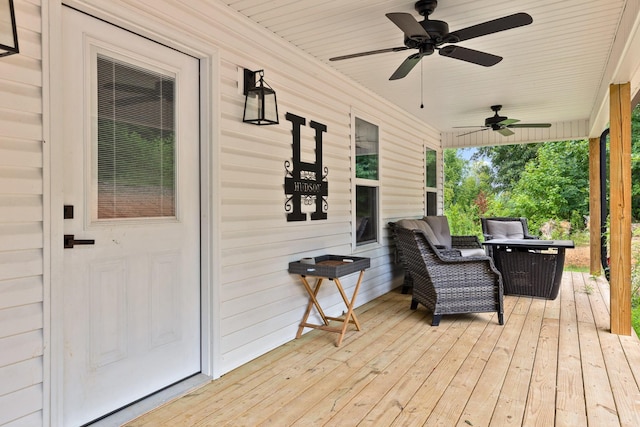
8	30
260	106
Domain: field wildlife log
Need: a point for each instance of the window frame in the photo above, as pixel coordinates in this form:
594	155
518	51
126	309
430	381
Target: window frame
364	182
427	189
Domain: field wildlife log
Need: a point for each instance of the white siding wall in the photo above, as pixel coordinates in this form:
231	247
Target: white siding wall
259	303
21	236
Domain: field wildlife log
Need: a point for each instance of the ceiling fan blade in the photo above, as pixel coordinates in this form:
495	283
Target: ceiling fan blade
474	131
470	55
406	66
371	52
409	26
530	125
494	26
505	132
508	122
467	127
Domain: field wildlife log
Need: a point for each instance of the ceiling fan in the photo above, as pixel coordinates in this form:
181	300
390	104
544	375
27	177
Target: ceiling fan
429	35
503	124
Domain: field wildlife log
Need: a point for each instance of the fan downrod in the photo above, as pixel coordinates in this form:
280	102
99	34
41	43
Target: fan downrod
426	7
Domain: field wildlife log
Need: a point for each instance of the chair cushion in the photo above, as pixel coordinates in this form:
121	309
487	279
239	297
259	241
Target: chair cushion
440	227
418	224
505	229
473	252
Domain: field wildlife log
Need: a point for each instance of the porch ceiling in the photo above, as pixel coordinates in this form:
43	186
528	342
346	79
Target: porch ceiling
555	70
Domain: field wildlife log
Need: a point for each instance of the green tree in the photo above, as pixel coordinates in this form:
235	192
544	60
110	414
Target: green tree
508	161
554	185
465	190
454	170
635	163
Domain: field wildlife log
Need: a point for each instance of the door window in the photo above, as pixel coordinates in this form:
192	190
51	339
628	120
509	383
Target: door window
136	141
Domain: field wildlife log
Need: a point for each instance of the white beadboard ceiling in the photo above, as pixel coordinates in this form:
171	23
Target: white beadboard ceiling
553	70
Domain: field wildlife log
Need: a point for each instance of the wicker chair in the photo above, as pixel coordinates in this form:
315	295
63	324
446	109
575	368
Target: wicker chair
449	285
407	283
441	238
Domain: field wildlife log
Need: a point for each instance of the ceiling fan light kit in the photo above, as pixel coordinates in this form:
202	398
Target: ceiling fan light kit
429	35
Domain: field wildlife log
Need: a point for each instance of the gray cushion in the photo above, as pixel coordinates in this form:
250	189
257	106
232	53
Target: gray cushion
418	224
440	227
472	252
505	229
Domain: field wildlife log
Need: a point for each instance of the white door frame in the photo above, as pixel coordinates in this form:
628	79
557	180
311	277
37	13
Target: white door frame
53	163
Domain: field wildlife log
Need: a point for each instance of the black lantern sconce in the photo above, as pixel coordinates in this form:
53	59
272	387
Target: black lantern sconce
8	30
260	106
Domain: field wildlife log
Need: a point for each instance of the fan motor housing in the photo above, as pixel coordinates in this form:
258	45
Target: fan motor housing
494	120
436	29
426	7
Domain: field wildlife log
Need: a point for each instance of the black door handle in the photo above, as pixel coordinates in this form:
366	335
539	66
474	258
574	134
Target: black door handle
70	241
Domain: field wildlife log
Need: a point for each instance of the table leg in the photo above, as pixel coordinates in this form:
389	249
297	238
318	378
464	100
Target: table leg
349	317
350	314
313	301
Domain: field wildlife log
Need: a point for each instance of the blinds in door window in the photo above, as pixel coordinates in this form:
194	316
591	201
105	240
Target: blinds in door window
136	142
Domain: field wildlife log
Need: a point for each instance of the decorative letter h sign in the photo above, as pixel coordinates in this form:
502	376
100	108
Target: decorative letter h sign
306	182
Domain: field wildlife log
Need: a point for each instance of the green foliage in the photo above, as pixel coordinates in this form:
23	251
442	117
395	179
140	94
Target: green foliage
508	162
544	181
635	294
464	221
635	286
135	155
635	162
635	319
465	190
554	185
367	166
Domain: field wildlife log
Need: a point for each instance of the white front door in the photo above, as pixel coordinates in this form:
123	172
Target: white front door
131	193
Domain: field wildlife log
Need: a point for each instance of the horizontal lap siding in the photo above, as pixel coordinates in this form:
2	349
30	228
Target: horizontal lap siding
21	227
260	303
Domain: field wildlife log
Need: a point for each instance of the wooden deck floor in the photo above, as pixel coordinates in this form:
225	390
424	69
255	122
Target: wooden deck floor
552	363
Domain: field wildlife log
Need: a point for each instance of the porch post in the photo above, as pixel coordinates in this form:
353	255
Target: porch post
620	207
594	207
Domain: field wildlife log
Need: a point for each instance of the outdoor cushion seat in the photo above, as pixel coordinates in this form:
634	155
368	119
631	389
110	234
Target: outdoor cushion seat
450	284
467	245
505	228
442	240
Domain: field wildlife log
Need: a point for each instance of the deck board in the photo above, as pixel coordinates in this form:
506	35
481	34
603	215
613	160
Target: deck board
570	402
552	363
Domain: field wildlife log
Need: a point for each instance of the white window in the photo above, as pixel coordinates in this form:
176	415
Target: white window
430	182
367	175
